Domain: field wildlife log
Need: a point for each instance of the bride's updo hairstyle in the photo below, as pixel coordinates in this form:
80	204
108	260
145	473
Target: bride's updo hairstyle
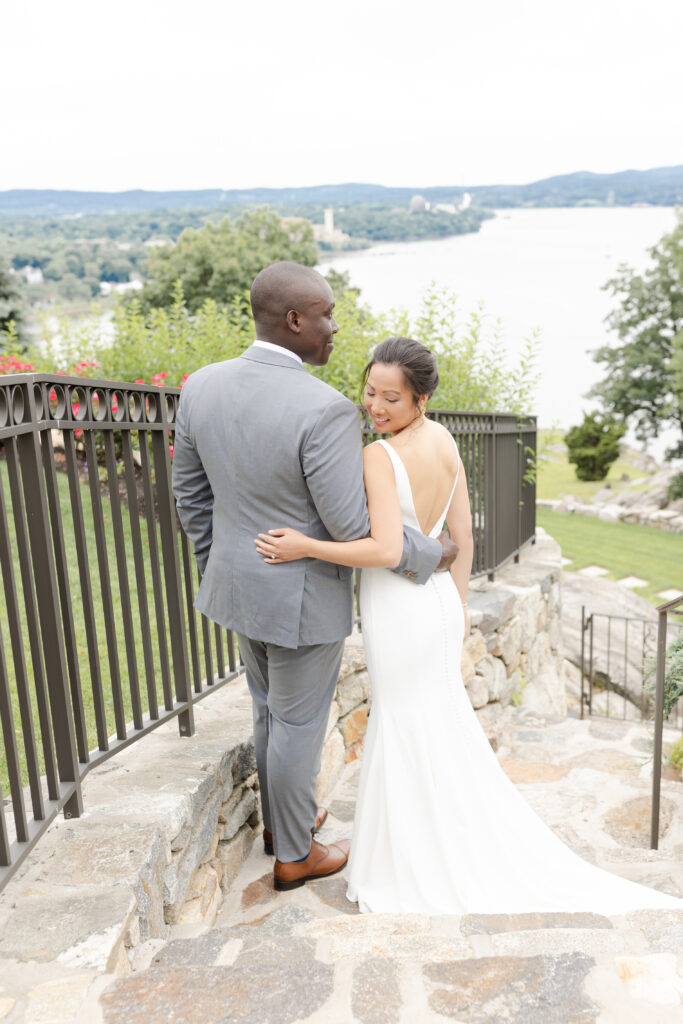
416	361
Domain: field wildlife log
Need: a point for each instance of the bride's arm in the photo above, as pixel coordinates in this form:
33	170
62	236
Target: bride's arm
382	548
459	521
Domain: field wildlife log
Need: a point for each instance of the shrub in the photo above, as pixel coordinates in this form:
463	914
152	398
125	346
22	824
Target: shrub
673	676
676	755
675	488
594	445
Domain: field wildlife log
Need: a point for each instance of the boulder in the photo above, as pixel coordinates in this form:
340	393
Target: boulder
527	609
466	667
508	646
611	513
354	725
478	692
538	656
475	645
500	685
545	692
352	690
491	720
331	765
495	607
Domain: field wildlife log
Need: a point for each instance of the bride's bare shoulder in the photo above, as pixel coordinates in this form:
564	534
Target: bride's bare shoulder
438	429
375	453
442	439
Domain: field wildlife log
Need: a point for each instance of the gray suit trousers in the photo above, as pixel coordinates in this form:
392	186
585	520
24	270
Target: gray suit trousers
292	690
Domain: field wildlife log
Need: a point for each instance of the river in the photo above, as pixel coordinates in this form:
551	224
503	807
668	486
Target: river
531	268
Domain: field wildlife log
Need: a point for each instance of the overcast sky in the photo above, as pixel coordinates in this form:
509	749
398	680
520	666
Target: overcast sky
219	94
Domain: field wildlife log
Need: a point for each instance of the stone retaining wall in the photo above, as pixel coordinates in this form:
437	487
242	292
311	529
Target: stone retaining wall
647	509
513	653
167	825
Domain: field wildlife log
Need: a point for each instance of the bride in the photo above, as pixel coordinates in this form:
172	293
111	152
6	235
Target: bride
439	828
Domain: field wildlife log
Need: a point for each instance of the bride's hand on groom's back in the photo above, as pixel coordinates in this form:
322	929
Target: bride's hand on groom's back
285	545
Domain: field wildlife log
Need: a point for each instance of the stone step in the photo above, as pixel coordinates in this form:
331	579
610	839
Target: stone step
529	968
418	936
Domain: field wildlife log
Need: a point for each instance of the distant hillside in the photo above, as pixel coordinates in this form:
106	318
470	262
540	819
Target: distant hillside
660	186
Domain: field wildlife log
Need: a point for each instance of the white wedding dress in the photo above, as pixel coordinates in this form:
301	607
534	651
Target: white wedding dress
439	828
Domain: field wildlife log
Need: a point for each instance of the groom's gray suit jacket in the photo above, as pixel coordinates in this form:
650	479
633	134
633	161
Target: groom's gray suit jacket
260	443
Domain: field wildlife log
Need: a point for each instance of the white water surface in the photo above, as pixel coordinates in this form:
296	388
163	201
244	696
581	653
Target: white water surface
531	268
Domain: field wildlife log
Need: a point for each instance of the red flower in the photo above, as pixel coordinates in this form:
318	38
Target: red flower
10	364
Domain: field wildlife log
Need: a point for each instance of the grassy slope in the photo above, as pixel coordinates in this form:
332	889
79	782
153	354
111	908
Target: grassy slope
623	548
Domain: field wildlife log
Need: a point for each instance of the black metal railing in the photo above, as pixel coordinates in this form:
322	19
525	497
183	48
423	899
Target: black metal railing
99	639
663	611
618	666
623	674
498	454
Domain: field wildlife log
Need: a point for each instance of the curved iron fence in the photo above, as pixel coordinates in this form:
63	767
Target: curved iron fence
99	639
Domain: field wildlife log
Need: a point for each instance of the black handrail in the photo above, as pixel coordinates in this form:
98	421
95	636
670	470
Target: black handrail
663	612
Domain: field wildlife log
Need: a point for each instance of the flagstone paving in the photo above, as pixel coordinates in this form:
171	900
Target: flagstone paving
309	956
633	582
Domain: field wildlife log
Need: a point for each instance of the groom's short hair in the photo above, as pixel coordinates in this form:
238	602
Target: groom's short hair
283	286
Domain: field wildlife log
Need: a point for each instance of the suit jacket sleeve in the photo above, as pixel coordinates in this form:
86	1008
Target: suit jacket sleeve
332	462
192	490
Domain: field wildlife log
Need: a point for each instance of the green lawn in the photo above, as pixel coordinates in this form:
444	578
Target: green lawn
625	549
557	476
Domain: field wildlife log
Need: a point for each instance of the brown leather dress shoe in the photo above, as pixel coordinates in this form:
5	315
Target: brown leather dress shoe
321	862
320	819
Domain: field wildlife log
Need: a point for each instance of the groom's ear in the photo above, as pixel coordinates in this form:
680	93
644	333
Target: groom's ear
294	321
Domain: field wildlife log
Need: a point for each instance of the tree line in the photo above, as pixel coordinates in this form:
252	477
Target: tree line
74	256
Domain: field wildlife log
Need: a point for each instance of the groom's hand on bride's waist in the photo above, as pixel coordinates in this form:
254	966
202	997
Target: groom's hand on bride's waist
449	551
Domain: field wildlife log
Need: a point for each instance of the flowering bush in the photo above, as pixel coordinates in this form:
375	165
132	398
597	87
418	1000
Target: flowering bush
85	369
10	364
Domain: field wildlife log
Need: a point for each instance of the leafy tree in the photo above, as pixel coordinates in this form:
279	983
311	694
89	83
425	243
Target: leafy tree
219	261
340	283
474	369
644	379
11	307
377	222
594	445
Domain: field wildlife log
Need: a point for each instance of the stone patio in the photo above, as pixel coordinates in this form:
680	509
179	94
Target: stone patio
308	956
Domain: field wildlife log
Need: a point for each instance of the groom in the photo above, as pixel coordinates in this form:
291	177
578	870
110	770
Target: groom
260	442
